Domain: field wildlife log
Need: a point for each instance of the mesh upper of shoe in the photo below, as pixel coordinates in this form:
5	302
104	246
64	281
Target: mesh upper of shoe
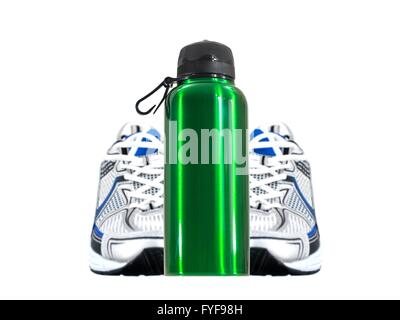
130	196
290	209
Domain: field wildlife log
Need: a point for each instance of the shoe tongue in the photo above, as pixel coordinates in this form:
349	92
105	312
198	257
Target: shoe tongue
129	130
262	151
275	132
142	152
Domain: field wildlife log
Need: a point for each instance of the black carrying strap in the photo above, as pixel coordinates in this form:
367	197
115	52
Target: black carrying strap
167	84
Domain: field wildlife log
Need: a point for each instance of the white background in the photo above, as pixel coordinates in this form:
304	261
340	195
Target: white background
70	72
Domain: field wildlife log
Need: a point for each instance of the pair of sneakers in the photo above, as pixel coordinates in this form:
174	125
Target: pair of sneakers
128	231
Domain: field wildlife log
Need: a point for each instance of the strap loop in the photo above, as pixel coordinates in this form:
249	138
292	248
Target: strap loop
167	83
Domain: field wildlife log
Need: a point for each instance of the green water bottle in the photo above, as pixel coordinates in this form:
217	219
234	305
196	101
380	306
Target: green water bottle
206	178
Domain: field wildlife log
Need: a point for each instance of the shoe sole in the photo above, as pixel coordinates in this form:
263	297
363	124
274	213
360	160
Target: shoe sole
263	264
150	262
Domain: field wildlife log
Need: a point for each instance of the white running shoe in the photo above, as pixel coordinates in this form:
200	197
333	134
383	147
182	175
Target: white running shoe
284	233
127	236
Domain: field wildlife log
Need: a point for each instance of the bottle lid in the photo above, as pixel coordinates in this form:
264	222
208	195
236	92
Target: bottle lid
206	58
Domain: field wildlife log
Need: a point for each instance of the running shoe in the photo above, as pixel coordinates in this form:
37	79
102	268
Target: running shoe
127	236
285	238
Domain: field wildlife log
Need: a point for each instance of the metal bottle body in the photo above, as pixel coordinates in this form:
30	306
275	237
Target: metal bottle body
206	195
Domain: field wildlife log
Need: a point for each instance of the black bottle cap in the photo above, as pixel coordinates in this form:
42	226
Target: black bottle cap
206	58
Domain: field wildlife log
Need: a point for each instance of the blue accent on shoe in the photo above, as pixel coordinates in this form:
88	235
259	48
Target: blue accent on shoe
97	232
312	232
262	151
309	207
146	151
117	179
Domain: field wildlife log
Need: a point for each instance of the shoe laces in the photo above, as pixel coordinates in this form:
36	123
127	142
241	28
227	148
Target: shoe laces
267	172
145	174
